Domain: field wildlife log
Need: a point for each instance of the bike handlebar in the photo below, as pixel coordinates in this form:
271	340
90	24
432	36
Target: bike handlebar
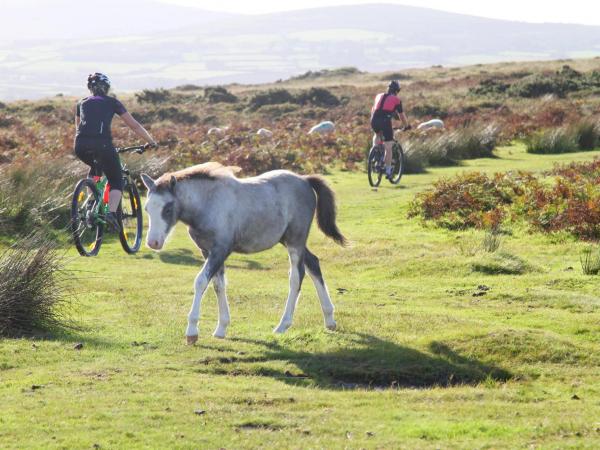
139	149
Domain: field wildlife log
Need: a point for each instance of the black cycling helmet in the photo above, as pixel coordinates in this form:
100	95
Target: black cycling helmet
98	83
394	87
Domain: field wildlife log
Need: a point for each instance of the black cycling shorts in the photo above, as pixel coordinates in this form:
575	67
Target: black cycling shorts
101	156
383	125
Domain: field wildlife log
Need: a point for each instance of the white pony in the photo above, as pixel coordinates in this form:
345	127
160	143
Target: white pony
225	214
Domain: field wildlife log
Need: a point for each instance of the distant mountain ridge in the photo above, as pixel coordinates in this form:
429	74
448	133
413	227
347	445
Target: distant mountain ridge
214	49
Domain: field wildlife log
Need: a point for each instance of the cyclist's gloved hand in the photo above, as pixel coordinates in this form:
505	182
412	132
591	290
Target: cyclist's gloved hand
152	144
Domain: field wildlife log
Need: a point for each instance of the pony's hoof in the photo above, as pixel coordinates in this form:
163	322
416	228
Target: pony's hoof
281	328
191	340
331	326
219	334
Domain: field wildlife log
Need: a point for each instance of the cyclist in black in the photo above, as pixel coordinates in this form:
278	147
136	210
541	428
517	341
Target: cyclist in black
386	107
93	139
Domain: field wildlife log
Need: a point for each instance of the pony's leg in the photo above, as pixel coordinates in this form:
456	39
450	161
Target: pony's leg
314	270
219	286
211	266
296	276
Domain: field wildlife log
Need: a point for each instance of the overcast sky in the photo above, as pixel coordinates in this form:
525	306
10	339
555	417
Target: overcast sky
571	11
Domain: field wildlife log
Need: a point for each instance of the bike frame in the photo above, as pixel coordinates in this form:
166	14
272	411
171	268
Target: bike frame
103	188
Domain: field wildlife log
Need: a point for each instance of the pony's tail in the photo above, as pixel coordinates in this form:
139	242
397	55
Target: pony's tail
326	209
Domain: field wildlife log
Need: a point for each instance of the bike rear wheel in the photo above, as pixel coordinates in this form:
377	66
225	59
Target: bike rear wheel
397	163
86	229
130	213
374	165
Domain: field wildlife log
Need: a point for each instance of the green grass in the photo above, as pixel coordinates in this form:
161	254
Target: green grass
429	353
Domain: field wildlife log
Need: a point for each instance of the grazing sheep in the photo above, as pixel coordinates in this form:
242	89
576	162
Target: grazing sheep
433	123
217	131
264	133
323	128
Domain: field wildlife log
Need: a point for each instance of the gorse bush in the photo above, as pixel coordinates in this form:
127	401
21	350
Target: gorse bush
153	96
33	294
560	83
317	97
270	97
314	97
489	86
218	94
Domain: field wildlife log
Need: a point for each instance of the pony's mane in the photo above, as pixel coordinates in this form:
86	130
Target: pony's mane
206	171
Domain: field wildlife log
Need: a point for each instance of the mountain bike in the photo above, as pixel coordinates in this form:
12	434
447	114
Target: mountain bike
90	206
376	162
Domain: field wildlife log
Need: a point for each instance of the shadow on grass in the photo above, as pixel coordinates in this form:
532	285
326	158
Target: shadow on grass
189	258
364	361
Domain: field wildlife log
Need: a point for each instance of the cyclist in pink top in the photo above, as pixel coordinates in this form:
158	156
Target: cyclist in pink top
388	106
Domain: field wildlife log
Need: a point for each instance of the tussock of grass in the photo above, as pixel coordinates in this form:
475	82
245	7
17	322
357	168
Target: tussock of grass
501	263
526	347
33	296
590	261
448	148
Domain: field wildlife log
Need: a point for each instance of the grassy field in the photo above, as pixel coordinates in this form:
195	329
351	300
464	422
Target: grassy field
430	352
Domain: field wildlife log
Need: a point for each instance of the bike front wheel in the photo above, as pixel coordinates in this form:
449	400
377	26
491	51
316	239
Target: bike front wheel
374	164
86	229
130	213
397	163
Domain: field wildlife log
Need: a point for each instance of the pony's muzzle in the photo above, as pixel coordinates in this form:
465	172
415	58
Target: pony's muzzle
154	244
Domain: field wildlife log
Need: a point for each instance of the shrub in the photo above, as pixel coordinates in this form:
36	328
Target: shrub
279	110
317	97
560	83
570	203
489	86
328	73
33	296
218	94
270	97
471	199
153	96
6	121
176	115
396	76
188	87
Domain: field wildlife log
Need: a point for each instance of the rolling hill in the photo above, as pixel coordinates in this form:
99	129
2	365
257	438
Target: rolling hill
206	48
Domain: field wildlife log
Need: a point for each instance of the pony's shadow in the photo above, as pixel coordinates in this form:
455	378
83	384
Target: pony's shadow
187	257
181	256
366	362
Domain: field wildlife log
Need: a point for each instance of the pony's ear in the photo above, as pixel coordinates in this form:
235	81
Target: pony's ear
172	183
148	182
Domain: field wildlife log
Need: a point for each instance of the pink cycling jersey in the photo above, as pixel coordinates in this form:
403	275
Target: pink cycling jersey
391	104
